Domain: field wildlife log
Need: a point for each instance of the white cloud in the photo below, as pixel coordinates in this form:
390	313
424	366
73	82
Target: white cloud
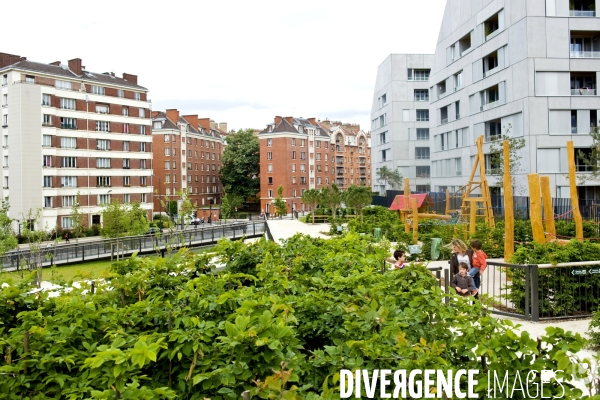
234	61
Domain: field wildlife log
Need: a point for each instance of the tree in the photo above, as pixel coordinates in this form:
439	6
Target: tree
8	240
186	209
35	238
591	159
240	164
280	204
358	197
77	218
311	198
331	197
229	204
390	177
497	155
121	220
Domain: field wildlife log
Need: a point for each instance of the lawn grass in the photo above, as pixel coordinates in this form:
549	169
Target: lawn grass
81	271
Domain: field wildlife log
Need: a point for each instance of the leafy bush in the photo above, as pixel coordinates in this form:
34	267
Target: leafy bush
595	330
282	329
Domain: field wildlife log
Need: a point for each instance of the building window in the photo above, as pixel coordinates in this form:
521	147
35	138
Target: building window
303	155
45	99
293	155
47	181
302	180
103	181
142	129
125	128
418	74
102	162
68	143
103	199
385	154
46	140
269	142
120	93
189	166
270	168
142	181
67	104
422	134
68	123
102	144
143	198
269	155
125	146
421	95
4	79
126	198
66	222
47	202
102	109
68	162
167	165
68	201
293	167
102	126
126	181
63	85
423	188
126	163
47	120
167	151
383	137
142	113
143	147
136	96
125	111
167	138
458	80
422	153
46	161
98	90
302	167
270	193
423	171
422	115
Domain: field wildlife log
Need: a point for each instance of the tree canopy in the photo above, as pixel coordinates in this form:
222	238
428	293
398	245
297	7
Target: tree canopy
390	177
119	220
358	197
8	241
240	164
311	198
229	204
280	204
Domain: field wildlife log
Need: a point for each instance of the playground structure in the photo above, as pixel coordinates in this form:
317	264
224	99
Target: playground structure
412	208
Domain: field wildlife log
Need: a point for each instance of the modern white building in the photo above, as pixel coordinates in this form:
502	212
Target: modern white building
67	131
400	137
523	68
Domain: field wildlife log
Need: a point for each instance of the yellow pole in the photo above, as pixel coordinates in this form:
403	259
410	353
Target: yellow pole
535	208
472	217
574	197
406	205
415	213
548	209
509	210
447	201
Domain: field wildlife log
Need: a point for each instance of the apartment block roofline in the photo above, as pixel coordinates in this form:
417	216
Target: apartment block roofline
73	70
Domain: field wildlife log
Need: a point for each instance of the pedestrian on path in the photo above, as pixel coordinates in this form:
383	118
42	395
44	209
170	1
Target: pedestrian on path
460	253
463	282
66	237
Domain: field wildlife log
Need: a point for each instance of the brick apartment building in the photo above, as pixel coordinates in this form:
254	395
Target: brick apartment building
187	156
303	154
66	130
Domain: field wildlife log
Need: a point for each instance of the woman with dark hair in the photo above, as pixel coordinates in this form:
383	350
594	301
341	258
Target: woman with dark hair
460	253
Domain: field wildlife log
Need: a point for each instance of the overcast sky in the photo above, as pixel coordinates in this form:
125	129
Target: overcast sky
240	62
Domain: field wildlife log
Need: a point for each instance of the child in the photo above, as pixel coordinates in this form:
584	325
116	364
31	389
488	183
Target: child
479	264
400	258
463	282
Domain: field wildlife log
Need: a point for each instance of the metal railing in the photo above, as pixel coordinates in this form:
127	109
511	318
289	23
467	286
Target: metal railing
583	92
103	249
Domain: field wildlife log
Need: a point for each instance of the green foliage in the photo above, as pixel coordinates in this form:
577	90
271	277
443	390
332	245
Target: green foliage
77	219
311	198
8	240
280	322
358	197
240	164
187	210
121	220
229	204
280	204
171	208
390	177
594	332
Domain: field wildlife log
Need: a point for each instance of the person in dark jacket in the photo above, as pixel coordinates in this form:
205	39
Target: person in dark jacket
460	253
463	282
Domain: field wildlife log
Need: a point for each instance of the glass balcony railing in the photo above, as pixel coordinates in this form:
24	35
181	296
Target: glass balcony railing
489	105
581	13
68	126
585	54
583	92
444	121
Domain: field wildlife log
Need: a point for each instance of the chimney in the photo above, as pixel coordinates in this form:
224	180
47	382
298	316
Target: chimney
290	120
55	63
130	78
75	65
223	126
213	124
155	113
172	114
205	123
8	59
313	121
277	120
192	120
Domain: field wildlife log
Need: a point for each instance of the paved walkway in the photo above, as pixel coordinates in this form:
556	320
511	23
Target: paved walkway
283	229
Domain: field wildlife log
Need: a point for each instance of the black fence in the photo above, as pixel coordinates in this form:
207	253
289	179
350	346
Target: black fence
538	292
52	254
590	209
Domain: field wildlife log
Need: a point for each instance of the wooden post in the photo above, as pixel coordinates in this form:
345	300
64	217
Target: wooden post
472	217
535	207
447	201
415	221
509	210
548	209
406	204
574	197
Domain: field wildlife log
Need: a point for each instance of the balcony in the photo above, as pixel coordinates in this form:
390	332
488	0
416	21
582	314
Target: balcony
583	83
582	13
48	124
490	105
583	92
491	27
68	126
